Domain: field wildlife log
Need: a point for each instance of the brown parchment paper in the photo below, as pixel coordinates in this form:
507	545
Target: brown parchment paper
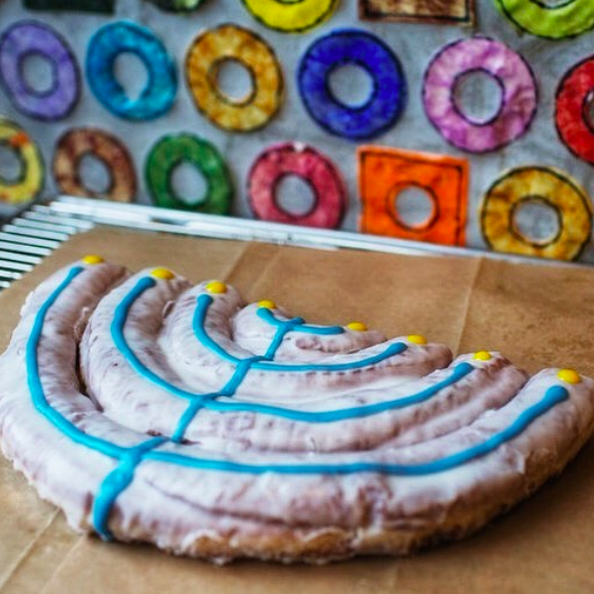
538	315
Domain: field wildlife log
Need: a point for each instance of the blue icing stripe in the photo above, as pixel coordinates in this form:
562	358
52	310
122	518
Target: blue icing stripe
552	397
117	334
298	324
130	457
116	482
460	371
36	388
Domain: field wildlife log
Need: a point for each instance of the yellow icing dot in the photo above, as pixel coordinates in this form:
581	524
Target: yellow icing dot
92	259
417	339
216	287
482	356
267	304
570	376
163	273
357	326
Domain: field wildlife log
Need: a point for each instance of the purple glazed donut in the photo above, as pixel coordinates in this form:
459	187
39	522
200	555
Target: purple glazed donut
518	91
27	38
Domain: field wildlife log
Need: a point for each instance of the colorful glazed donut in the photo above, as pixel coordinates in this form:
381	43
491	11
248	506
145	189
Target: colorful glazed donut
570	18
573	96
30	181
76	144
291	17
28	38
519	95
171	151
546	184
177	5
231	42
308	164
339	48
105	46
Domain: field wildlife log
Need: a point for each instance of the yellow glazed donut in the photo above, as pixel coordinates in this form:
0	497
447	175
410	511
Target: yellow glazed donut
553	187
204	59
295	16
30	180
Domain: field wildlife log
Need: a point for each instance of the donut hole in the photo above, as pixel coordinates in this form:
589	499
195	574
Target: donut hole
351	85
11	165
478	95
536	220
294	195
413	207
234	81
131	73
95	174
38	73
188	184
588	110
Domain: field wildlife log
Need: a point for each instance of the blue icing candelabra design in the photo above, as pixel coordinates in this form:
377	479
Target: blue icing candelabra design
129	457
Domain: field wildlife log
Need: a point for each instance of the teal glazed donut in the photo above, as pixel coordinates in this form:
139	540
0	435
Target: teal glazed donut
160	91
171	151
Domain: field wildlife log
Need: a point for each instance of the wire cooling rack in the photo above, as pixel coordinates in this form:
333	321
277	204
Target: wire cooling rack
38	231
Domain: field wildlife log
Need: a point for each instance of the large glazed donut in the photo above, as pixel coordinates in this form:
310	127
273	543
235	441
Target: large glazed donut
352	46
30	181
204	59
519	94
105	46
221	430
565	19
555	188
28	38
296	16
305	162
78	143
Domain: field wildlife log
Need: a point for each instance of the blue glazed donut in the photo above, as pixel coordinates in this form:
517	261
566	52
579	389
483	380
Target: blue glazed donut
27	38
352	46
159	93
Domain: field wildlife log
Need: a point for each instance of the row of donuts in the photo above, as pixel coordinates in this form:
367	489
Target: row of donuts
383	173
552	20
381	110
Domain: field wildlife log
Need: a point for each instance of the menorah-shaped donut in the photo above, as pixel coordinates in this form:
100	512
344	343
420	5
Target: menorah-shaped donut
152	410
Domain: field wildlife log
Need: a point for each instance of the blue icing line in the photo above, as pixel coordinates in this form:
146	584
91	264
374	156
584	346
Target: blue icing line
116	482
117	334
203	303
298	324
118	479
36	388
460	371
552	397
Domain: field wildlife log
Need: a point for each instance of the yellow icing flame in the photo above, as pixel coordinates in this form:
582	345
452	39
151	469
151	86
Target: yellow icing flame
482	356
570	376
216	287
357	326
417	339
267	304
163	273
91	259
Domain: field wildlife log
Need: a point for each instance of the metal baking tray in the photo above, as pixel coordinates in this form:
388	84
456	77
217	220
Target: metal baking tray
37	231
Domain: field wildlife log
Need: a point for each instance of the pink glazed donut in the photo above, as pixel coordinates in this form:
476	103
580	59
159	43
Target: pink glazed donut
519	94
305	162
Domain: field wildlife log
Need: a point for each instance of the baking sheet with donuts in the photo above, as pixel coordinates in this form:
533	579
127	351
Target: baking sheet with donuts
260	100
392	293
